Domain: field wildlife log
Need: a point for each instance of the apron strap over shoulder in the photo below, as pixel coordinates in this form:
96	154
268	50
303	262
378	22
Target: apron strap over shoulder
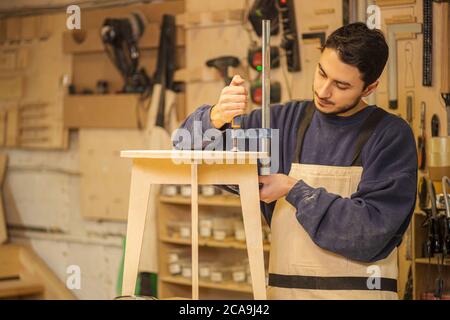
365	133
367	129
305	121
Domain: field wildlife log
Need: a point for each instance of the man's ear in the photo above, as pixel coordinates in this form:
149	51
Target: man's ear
370	88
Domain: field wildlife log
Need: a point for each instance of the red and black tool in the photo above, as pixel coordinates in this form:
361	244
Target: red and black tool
421	138
256	91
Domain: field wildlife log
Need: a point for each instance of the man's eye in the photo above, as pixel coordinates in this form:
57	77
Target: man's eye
341	87
322	74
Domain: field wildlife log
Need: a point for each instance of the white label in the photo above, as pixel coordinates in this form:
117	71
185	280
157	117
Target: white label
208	191
185	232
216	276
239	234
170	190
186	191
187	272
174	268
205	232
239	276
173	257
205	272
220	235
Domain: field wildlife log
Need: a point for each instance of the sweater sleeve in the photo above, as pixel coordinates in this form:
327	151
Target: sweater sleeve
370	224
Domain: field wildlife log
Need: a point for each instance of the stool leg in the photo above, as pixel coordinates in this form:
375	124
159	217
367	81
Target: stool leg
251	211
137	212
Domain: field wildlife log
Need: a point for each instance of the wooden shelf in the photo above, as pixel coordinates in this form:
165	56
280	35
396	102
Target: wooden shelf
89	41
222	201
101	111
20	288
229	244
434	261
228	286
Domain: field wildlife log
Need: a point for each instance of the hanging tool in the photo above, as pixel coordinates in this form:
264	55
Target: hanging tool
423	194
409	108
427	43
435	125
446	98
266	140
256	91
445	185
290	37
392	30
421	138
435	241
354	11
264	10
222	64
315	35
120	38
445	57
255	58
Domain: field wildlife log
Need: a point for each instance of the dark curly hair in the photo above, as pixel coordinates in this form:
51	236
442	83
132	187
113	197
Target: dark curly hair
359	46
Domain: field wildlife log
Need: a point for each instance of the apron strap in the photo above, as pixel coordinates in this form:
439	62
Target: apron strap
329	283
365	133
305	121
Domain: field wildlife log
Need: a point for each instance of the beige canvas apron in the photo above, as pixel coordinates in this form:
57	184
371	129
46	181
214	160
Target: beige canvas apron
298	268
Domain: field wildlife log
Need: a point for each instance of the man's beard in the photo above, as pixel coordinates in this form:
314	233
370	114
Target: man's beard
344	110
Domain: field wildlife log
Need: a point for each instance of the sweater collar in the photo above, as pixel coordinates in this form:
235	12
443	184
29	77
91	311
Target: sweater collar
342	121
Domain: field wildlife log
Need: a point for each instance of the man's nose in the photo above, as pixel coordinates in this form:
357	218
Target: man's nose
324	91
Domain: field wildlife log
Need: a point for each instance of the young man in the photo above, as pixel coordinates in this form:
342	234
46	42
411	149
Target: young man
346	186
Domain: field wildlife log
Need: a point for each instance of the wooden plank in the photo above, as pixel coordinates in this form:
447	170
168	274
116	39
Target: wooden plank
20	288
102	111
194	230
35	123
2	127
121	111
44	27
11	88
54	288
8	59
386	3
9	261
12	127
445	43
28	28
3	229
13	27
2	31
105	177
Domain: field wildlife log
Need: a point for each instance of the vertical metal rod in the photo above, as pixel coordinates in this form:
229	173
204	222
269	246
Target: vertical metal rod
265	169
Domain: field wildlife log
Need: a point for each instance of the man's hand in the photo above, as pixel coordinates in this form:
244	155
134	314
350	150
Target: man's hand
232	102
275	186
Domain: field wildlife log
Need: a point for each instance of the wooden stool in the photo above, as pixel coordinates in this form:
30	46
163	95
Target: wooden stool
194	168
